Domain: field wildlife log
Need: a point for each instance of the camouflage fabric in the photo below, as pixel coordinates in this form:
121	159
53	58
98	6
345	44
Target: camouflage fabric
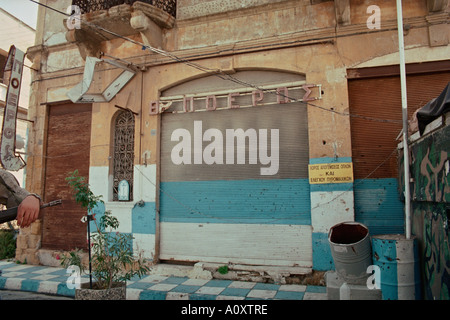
11	194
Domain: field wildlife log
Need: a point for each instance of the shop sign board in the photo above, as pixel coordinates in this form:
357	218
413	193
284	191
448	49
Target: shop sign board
238	98
13	67
330	173
80	94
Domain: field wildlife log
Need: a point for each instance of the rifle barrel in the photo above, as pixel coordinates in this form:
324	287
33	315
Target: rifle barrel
11	213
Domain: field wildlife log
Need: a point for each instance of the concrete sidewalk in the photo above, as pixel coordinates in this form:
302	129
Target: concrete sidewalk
53	280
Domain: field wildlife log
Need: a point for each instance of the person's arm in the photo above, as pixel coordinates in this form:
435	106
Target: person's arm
28	211
28	204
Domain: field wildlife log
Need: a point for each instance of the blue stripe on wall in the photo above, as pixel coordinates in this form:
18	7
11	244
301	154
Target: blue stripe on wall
322	258
143	219
284	201
98	211
329	160
330	187
378	205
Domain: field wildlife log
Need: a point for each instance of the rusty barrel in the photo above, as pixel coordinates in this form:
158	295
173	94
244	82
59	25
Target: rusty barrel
351	251
398	261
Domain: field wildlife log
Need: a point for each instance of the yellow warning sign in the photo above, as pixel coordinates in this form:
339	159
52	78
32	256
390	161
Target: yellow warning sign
331	173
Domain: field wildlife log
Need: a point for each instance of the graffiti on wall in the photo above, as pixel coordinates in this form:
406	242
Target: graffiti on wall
430	221
430	168
431	210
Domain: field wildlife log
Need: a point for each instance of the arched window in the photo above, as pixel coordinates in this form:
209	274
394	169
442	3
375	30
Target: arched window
123	157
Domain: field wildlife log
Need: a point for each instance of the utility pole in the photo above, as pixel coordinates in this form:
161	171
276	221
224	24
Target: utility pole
401	46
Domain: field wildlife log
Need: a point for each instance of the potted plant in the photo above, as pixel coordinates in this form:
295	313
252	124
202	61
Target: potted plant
111	258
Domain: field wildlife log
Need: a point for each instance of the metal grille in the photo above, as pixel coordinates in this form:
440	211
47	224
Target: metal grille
169	6
123	151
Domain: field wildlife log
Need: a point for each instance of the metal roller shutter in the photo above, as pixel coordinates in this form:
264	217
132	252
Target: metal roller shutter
227	211
374	144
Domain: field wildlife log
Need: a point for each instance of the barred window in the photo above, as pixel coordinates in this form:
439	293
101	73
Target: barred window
123	157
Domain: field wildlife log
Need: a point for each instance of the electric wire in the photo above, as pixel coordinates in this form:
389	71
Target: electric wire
219	73
224	76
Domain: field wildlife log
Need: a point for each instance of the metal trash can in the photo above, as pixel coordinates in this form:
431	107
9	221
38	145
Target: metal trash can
351	251
398	259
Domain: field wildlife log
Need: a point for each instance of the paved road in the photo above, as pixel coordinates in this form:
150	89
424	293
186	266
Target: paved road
22	295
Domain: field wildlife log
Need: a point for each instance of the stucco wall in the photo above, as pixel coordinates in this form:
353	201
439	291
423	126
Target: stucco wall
286	36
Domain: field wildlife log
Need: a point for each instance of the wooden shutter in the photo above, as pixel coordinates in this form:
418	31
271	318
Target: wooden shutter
231	212
374	143
68	148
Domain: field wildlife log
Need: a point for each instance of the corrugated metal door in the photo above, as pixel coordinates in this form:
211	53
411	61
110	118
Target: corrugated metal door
218	207
374	144
68	148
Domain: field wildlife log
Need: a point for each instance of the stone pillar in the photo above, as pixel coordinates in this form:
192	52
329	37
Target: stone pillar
29	243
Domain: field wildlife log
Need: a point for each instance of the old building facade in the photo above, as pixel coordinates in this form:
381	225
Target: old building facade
16	32
244	129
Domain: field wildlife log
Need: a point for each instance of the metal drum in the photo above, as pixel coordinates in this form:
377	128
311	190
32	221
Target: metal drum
397	258
351	251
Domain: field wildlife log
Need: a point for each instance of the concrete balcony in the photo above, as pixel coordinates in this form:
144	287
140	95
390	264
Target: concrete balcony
107	20
169	6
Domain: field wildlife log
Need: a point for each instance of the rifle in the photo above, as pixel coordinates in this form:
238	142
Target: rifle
11	213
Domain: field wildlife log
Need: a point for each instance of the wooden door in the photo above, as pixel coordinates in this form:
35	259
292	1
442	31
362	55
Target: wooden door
68	148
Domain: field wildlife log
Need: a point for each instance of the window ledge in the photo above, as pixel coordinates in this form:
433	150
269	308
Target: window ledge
111	205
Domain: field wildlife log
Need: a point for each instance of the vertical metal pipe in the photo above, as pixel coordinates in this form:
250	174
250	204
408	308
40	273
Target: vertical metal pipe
401	46
89	249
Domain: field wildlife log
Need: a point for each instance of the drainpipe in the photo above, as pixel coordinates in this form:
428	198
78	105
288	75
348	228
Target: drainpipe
401	46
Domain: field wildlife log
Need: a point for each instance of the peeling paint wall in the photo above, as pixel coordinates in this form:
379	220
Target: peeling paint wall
54	27
190	9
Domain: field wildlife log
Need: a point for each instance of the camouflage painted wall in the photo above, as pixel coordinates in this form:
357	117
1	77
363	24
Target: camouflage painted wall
430	167
430	192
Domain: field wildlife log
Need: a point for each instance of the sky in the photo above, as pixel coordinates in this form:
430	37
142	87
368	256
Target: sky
24	10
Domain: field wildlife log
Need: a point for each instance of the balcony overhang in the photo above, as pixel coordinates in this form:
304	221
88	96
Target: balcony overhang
121	20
